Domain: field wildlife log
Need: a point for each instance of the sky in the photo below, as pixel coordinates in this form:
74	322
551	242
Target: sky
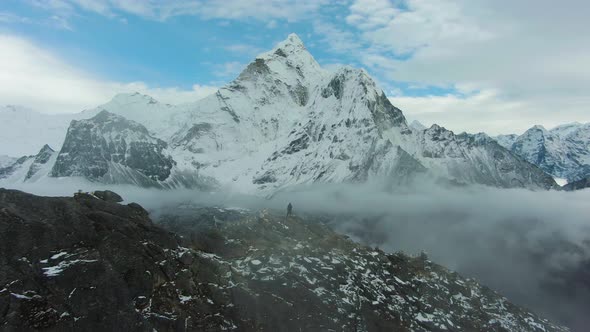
496	66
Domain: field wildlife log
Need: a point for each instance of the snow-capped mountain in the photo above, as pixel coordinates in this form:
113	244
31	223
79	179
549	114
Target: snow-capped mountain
474	158
111	149
563	152
159	118
283	121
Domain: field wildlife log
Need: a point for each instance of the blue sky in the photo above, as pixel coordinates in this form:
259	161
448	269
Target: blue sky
469	65
178	51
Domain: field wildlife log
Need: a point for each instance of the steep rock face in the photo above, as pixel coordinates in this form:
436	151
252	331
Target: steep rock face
563	152
42	160
84	264
101	147
245	121
341	139
538	146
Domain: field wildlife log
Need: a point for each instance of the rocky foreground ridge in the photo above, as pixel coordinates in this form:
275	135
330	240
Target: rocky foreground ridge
86	263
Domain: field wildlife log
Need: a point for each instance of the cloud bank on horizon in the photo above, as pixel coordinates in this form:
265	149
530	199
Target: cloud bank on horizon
494	66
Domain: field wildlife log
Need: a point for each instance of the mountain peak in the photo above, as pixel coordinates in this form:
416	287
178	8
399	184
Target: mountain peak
539	127
290	48
291	53
135	97
289	62
417	125
45	148
294	40
103	116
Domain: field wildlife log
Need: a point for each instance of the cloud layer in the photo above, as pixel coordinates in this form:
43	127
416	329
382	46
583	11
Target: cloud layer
533	247
162	10
36	78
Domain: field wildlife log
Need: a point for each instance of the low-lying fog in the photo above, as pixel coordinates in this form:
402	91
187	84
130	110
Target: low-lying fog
533	247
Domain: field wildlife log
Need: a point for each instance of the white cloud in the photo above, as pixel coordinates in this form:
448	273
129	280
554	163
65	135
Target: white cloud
35	77
491	112
55	21
340	41
534	57
244	49
228	70
371	14
484	111
6	17
60	23
290	10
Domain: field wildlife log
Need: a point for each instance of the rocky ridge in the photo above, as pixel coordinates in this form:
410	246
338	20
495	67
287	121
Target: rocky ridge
83	263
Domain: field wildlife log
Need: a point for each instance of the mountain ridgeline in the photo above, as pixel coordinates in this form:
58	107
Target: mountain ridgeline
283	121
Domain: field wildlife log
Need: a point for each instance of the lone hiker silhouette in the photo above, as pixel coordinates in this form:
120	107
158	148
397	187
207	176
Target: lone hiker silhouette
289	210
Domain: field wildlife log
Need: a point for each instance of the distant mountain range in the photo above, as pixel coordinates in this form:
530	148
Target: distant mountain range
563	151
284	121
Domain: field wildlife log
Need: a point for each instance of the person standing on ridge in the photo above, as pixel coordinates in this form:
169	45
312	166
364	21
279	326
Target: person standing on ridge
289	210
